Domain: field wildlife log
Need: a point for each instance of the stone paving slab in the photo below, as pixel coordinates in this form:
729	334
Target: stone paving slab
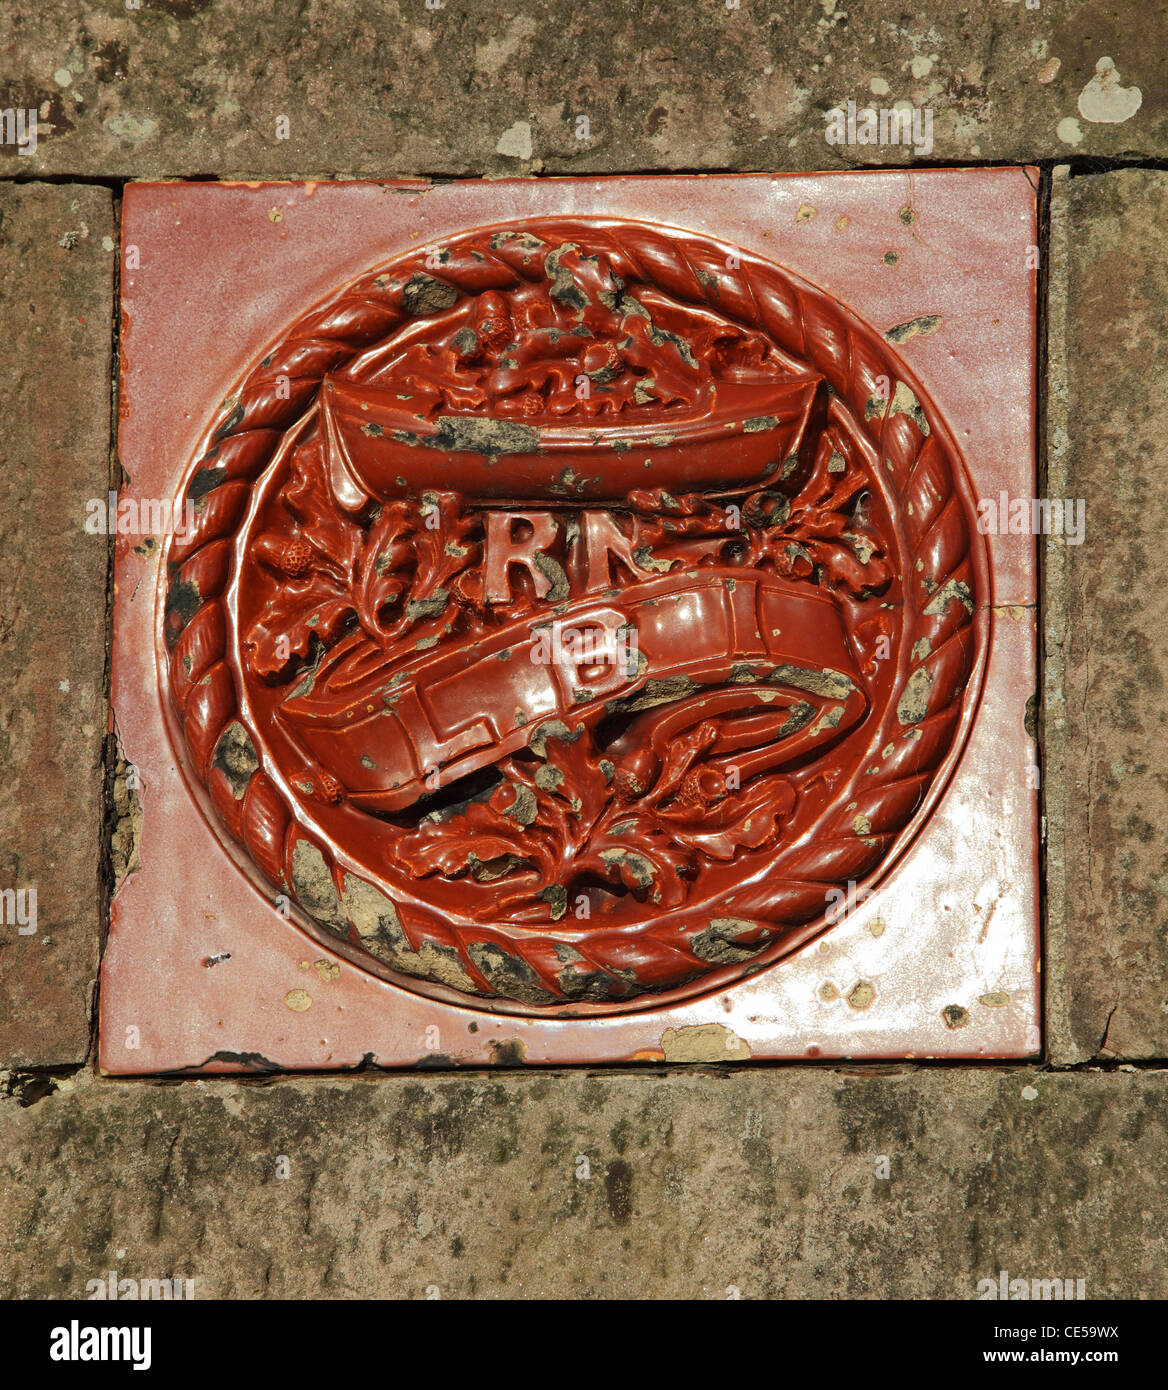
183	87
1107	613
768	1183
56	301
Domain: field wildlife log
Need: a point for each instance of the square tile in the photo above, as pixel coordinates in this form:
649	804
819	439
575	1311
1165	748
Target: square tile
584	643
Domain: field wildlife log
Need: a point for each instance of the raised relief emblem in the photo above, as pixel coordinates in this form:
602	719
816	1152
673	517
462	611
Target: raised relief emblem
572	612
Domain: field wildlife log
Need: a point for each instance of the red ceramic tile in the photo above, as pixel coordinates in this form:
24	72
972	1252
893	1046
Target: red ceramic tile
583	647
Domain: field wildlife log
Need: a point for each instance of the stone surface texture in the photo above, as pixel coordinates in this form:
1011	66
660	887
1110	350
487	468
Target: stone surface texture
56	299
188	87
1106	700
520	1186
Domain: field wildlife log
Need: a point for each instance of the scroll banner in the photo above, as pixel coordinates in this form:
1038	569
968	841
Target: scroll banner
460	707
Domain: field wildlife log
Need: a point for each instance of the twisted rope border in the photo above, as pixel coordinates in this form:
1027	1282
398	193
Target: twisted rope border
554	967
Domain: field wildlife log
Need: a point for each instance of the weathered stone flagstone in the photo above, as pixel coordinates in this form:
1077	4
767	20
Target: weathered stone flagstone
759	1184
358	87
56	300
1106	706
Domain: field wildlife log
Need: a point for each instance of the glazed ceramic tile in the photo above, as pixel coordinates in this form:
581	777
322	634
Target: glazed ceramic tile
581	634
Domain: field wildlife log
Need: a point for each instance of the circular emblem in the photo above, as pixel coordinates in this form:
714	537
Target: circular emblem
575	615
